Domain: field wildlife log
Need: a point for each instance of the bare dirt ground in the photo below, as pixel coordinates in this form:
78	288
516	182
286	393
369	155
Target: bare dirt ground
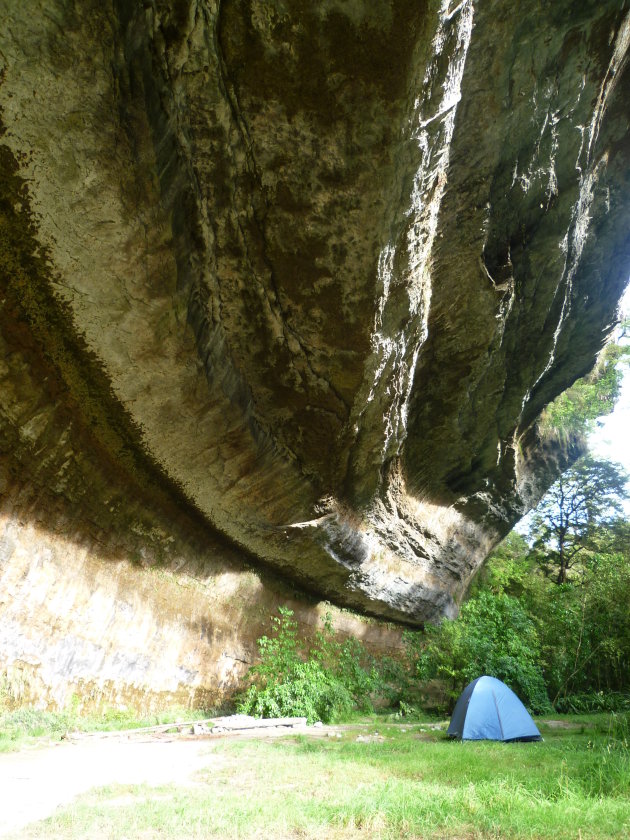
35	782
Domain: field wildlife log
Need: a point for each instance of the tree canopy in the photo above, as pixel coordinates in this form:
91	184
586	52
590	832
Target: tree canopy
576	411
586	497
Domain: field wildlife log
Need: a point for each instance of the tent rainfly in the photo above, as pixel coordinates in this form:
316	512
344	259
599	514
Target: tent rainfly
488	709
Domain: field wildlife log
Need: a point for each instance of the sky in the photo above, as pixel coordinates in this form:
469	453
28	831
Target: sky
611	437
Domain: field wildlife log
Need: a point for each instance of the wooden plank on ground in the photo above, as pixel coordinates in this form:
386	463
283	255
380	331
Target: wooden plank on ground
231	724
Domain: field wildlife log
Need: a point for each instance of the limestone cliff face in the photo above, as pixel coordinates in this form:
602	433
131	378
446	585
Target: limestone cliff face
298	277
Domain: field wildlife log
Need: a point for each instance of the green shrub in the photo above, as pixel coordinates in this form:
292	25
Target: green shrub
593	701
493	635
575	411
309	691
325	681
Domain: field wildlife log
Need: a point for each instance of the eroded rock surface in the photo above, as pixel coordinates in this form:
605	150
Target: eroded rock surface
287	284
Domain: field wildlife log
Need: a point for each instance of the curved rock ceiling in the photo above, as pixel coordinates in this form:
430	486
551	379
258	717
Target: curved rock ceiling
311	269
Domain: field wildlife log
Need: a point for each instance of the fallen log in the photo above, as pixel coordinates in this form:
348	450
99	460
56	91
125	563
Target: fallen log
142	730
240	722
232	723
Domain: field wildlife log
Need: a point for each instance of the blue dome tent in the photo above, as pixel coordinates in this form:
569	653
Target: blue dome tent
488	709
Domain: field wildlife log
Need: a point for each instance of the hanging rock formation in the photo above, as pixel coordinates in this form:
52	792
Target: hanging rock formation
285	287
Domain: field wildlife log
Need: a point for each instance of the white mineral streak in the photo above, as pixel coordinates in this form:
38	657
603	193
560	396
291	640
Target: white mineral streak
383	346
536	172
430	128
589	168
619	58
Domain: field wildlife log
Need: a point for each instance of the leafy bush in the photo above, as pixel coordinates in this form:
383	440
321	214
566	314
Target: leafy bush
493	635
584	629
325	681
582	625
309	691
594	701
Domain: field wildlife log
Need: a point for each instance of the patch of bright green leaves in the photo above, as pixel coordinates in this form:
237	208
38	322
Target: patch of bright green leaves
493	635
582	626
326	680
575	411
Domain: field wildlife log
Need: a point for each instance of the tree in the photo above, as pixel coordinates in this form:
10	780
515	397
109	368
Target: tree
585	497
493	635
576	411
583	626
509	569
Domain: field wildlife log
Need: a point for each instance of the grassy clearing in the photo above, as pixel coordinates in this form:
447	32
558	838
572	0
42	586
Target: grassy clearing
21	727
414	783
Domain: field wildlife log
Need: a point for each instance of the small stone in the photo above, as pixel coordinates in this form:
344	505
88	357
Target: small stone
318	724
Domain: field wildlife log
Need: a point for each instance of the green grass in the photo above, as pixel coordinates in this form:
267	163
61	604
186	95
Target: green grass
414	784
27	726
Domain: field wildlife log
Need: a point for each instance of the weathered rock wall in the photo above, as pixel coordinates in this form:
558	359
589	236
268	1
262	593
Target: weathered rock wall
112	594
285	286
78	626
